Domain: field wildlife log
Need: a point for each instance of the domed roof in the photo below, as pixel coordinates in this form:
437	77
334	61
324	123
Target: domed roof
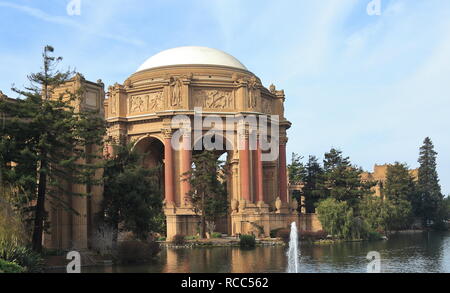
191	56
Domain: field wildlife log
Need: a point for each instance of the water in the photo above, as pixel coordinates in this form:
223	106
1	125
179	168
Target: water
415	252
293	253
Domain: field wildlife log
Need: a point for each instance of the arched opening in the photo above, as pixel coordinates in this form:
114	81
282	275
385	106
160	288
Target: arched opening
223	157
152	150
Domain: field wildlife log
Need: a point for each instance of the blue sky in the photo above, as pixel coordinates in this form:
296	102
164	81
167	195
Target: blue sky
373	86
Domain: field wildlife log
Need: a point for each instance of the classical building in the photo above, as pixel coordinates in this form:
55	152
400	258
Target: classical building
379	175
192	84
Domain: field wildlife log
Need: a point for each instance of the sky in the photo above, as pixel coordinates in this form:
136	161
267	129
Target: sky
373	86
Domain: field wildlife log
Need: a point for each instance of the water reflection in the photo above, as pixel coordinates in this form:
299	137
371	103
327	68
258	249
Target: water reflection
415	252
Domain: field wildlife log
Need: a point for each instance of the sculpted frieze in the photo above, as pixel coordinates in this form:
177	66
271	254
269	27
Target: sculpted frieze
214	99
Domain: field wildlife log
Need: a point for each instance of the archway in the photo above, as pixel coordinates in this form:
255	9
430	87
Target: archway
224	156
152	150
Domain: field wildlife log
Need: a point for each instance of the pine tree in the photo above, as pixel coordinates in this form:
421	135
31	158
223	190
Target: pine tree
429	189
312	182
52	140
132	197
296	169
208	188
342	181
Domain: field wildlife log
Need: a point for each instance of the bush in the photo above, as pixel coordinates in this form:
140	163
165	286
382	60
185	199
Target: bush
216	235
21	255
179	239
10	267
136	251
193	237
284	234
247	241
310	235
373	235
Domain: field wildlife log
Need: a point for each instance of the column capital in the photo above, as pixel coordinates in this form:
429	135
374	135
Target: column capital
167	133
283	140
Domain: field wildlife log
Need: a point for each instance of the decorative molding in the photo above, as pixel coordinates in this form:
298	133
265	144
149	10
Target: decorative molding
214	99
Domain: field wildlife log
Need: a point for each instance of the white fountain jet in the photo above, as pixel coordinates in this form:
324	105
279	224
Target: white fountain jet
293	252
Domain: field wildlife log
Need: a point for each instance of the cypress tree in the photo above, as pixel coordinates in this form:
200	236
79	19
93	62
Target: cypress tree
429	189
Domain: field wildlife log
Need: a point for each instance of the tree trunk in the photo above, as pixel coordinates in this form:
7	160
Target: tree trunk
40	210
203	219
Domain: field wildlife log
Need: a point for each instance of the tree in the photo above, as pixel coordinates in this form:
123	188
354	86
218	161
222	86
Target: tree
296	170
52	140
208	188
132	197
311	185
338	219
342	181
399	189
429	190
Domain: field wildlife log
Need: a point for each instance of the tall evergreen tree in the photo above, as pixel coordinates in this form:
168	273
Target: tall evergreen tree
312	184
342	181
208	188
132	197
52	140
296	169
429	189
398	190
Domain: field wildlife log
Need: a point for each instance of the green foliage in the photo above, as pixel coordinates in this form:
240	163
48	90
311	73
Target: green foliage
429	189
208	188
10	267
342	181
313	182
338	219
48	139
132	198
216	235
374	235
247	241
136	251
21	255
179	239
296	170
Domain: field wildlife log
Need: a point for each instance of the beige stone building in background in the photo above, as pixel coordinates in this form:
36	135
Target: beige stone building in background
379	175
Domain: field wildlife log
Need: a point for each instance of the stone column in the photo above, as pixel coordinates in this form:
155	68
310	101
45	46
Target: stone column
282	187
259	176
168	169
244	169
186	161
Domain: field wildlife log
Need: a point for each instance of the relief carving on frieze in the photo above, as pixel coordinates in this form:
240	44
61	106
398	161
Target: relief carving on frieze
137	104
214	99
155	101
148	102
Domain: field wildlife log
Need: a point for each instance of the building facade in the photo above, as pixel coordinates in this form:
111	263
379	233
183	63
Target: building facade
195	97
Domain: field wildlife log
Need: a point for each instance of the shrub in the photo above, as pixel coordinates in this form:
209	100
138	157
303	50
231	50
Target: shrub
10	267
216	235
179	239
21	255
247	241
284	234
193	237
136	251
373	235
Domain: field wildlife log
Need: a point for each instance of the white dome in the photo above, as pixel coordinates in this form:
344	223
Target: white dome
191	56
